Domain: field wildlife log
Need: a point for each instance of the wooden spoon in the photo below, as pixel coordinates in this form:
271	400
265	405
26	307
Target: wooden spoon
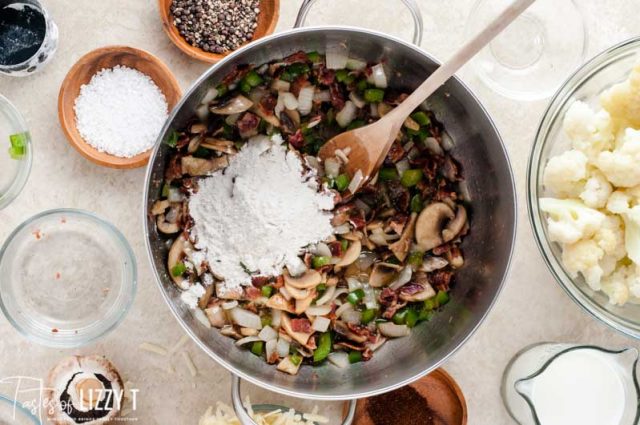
370	144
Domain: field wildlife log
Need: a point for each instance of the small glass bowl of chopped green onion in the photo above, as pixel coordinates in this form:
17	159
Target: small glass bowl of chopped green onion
15	152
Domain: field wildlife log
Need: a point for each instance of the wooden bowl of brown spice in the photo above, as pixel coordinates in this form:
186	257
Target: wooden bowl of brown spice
208	30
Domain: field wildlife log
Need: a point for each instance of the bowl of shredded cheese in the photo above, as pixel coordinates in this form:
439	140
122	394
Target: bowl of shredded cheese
584	187
114	102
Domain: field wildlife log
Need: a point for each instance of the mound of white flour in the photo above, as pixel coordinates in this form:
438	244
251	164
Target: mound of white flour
256	215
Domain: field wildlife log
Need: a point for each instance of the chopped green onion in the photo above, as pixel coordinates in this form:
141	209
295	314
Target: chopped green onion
297	69
245	87
412	318
355	357
265	321
253	79
172	141
355	296
422	134
321	287
356	124
442	298
400	317
324	348
411	177
257	347
415	258
286	76
344	244
387	174
416	203
165	190
18	145
313	57
266	291
342	182
373	95
430	304
421	118
341	75
202	152
426	314
296	359
331	116
222	90
362	85
368	315
320	261
178	270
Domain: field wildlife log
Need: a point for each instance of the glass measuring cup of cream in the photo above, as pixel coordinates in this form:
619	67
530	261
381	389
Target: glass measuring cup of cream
560	384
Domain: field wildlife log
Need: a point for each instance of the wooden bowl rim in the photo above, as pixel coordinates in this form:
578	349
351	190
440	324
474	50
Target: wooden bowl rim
85	149
196	52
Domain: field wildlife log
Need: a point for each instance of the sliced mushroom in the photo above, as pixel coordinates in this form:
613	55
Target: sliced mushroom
194	143
302	305
455	258
297	294
248	332
200	167
456	225
216	315
226	293
224	146
235	105
197	128
351	255
426	293
431	264
278	302
176	255
400	248
310	279
166	227
203	301
430	224
159	207
230	330
270	118
301	337
343	330
383	274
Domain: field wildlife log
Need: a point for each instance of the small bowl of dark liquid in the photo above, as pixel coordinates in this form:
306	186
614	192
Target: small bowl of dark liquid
28	37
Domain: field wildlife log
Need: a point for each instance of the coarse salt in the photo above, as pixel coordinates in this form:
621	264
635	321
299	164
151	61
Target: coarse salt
120	111
258	214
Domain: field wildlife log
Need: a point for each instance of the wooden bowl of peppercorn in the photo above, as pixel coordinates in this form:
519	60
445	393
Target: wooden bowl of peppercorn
208	30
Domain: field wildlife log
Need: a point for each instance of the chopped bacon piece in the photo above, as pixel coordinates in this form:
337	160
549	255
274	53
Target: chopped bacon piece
442	249
337	99
268	103
441	279
336	249
301	325
279	283
359	330
260	281
326	76
399	195
299	83
297	139
248	125
397	222
389	300
236	74
252	293
350	346
367	354
396	153
297	57
174	168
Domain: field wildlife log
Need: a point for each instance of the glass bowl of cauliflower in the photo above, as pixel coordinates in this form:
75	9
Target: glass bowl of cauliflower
584	187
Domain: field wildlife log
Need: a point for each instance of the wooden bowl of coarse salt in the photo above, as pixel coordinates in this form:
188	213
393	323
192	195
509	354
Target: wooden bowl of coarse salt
113	103
232	26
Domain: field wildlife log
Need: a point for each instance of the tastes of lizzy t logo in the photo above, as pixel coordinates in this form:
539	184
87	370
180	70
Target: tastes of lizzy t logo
85	402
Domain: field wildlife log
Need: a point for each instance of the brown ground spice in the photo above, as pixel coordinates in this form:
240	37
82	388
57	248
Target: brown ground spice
405	406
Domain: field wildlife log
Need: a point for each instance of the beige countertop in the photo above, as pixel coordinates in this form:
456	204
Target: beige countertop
531	308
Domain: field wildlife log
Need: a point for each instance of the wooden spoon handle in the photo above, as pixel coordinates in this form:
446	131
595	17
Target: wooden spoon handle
462	56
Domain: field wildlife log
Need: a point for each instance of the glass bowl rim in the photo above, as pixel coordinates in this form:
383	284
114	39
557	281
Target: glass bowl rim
130	282
549	117
24	168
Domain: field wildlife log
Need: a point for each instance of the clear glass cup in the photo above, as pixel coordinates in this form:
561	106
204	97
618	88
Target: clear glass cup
530	58
14	171
47	48
12	412
529	376
609	67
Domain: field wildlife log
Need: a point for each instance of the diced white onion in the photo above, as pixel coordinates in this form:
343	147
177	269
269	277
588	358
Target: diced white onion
352	316
271	347
296	266
355	64
337	56
353	284
202	112
331	168
402	166
229	305
276	318
369	299
267	334
379	76
433	263
305	100
246	319
354	184
373	110
463	188
322	96
290	101
431	143
280	85
323	249
338	292
285	293
327	296
340	359
342	229
201	317
279	105
321	324
357	100
175	195
211	94
392	330
403	279
347	114
366	259
247	340
447	141
283	347
318	310
314	122
343	308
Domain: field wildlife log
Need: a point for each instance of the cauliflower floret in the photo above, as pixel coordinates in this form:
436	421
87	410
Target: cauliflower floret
596	191
590	132
570	220
621	165
619	202
610	237
622	100
584	257
632	233
616	287
565	174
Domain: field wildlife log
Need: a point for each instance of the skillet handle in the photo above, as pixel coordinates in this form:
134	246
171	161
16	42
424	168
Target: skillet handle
412	5
244	417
